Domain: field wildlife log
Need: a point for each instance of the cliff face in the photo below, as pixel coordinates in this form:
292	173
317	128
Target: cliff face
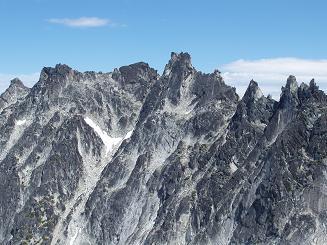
131	157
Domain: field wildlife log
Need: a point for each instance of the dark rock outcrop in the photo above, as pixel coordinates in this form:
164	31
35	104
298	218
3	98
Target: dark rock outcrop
131	157
15	92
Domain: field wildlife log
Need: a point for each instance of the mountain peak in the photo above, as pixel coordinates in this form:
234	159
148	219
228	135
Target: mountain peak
83	147
62	67
291	84
16	91
313	86
178	62
253	91
55	75
59	69
289	92
180	56
17	82
217	72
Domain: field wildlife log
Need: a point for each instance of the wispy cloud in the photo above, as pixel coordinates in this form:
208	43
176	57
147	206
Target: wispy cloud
28	79
84	22
271	74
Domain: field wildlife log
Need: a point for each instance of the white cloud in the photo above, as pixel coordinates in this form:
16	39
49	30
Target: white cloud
28	79
83	22
271	74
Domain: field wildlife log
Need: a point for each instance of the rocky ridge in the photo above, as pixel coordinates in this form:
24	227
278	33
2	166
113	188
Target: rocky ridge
132	157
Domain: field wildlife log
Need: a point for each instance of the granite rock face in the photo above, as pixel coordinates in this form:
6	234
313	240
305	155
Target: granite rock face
131	157
15	92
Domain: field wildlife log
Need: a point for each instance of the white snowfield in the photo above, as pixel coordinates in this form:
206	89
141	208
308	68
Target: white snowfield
233	167
128	135
20	122
109	142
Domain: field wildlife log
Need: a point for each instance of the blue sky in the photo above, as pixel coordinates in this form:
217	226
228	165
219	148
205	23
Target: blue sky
102	34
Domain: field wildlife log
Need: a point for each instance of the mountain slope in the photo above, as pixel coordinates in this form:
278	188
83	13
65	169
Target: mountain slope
131	157
50	159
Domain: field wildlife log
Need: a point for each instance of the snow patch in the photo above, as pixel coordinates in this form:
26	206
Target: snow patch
232	165
20	122
128	135
108	141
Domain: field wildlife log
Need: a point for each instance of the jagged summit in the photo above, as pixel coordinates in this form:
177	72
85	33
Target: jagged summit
127	72
313	86
131	157
253	92
16	91
253	108
291	84
180	63
59	69
289	97
54	78
183	57
17	82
